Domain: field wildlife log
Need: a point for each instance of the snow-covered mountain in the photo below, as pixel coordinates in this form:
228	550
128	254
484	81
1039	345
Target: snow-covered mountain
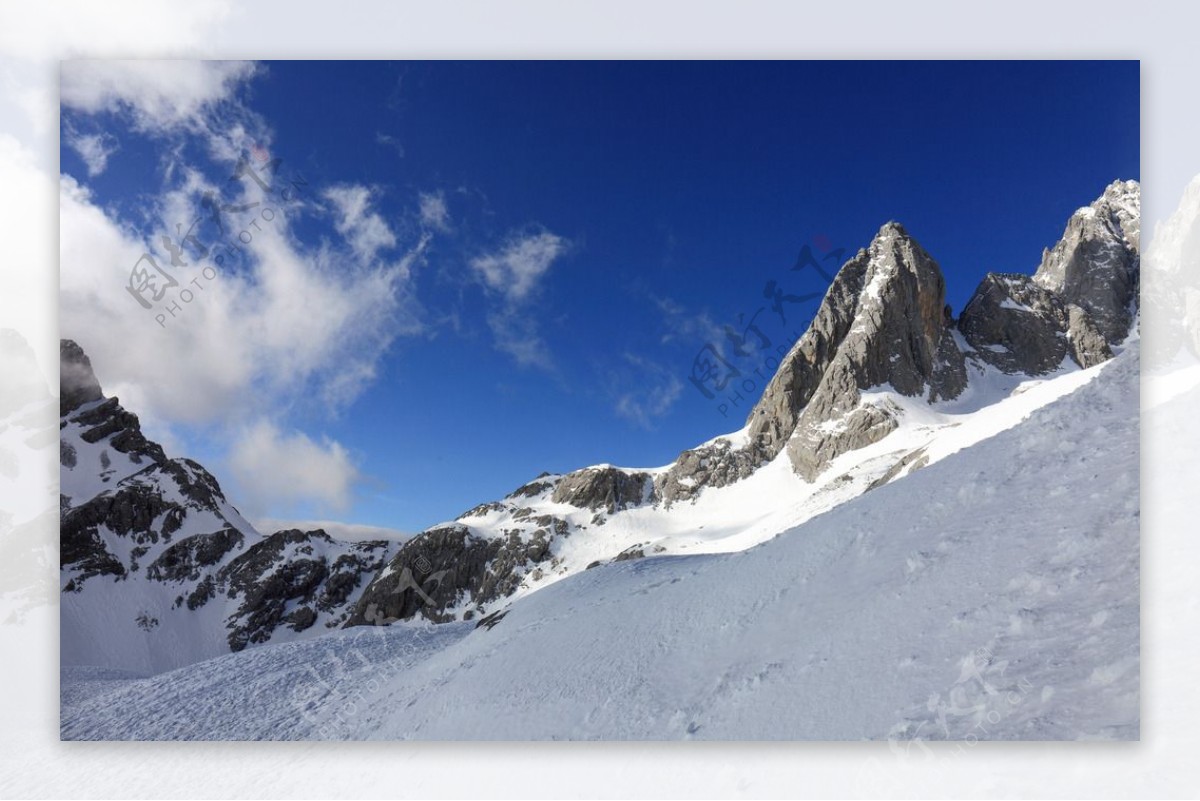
159	570
993	595
884	381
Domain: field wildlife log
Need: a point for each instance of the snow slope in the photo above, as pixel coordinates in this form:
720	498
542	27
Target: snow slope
992	594
774	498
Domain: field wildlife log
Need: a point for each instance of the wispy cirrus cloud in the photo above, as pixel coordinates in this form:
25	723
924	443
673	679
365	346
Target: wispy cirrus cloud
682	326
653	393
518	266
94	149
355	219
513	274
388	140
434	212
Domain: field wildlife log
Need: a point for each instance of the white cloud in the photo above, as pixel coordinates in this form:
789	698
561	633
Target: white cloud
365	231
434	213
94	149
274	469
287	327
657	390
171	98
160	94
514	274
519	265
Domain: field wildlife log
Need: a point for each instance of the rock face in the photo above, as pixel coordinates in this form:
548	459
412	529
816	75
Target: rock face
604	488
1097	263
1018	326
883	321
1080	302
901	337
451	571
293	578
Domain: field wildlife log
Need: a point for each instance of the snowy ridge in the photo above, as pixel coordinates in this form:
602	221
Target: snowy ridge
753	510
923	610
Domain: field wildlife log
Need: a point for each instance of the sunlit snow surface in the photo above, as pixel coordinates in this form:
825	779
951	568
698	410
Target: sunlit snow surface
991	594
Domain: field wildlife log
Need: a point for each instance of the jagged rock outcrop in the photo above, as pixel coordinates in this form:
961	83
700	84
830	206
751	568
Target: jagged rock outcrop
1018	326
433	573
1097	263
884	321
1079	303
450	571
773	419
607	488
289	578
901	338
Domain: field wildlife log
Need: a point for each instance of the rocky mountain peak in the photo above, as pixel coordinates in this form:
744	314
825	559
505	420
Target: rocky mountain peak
1080	302
902	320
900	338
77	381
883	321
1096	264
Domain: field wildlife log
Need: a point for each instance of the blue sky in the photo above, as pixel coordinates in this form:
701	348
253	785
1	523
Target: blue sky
502	268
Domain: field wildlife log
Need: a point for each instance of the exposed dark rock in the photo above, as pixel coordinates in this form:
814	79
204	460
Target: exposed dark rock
1018	326
484	508
900	338
301	619
604	488
535	487
205	591
913	460
489	621
1087	345
66	454
266	577
82	549
289	578
430	574
292	568
1097	263
713	465
446	566
110	420
186	559
632	552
